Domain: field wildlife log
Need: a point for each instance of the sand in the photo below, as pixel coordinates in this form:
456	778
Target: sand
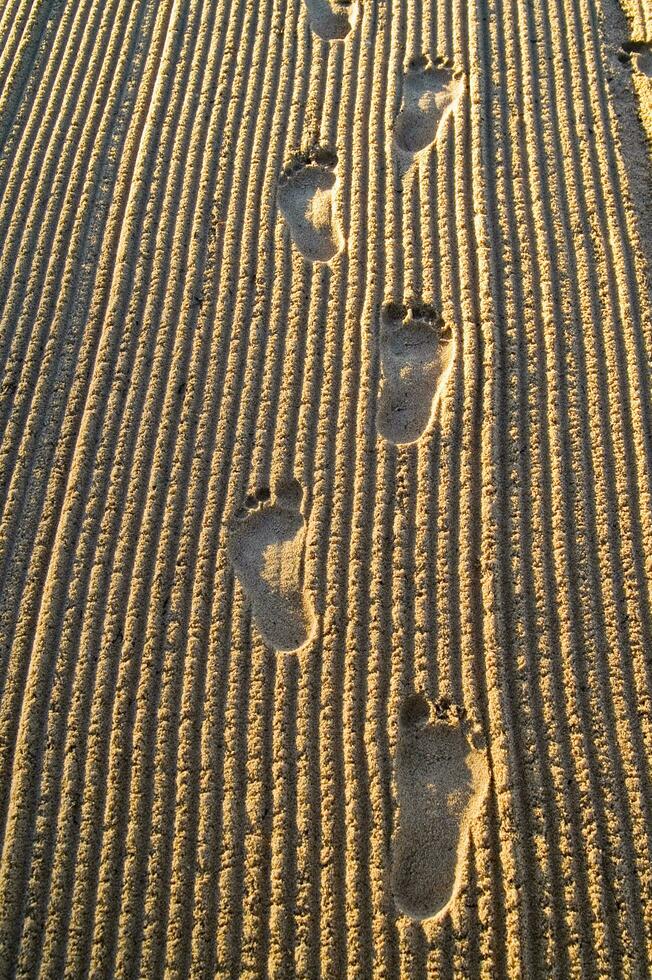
325	489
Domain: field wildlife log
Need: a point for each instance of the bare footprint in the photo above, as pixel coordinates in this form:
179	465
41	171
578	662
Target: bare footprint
640	53
267	551
416	355
331	20
442	777
430	93
305	197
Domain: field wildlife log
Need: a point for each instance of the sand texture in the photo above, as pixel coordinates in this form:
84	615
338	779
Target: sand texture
325	489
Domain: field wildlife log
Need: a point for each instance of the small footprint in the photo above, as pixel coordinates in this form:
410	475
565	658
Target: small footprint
305	197
416	355
640	53
430	93
442	777
266	549
332	20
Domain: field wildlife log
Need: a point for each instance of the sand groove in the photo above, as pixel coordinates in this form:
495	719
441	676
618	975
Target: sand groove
325	488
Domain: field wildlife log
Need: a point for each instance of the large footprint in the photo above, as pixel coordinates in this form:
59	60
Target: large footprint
267	548
416	355
442	777
305	197
430	93
331	20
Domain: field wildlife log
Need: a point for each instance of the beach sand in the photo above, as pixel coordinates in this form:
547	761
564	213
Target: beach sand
325	489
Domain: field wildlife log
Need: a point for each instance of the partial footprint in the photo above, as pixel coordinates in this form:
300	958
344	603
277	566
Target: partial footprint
641	55
430	93
416	355
331	20
442	777
267	548
305	197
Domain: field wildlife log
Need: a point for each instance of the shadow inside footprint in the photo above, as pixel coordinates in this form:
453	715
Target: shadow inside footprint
267	552
331	20
441	782
305	197
416	355
641	55
430	93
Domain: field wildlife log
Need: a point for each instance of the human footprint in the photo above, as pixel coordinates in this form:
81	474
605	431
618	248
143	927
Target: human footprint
305	197
416	355
442	777
266	549
430	93
640	53
332	20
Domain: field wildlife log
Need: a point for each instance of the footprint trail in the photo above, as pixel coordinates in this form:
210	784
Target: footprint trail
416	355
441	782
267	552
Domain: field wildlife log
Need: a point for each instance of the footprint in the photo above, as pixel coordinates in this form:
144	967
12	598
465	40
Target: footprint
305	197
332	20
641	54
416	355
442	777
266	549
430	93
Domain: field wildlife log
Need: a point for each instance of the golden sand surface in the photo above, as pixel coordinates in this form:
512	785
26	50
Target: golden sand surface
325	489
